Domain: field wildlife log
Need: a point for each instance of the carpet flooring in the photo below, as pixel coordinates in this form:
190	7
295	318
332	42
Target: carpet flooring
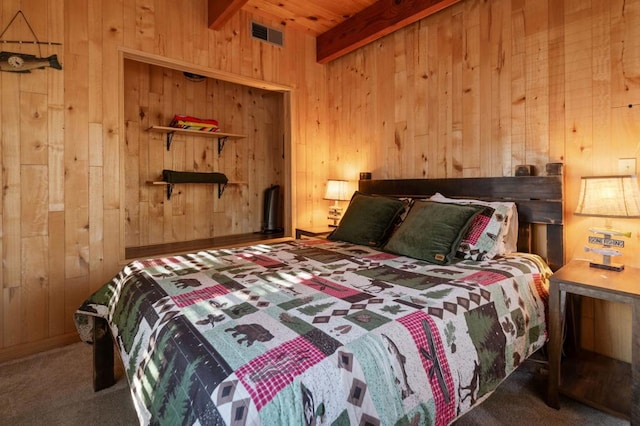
55	388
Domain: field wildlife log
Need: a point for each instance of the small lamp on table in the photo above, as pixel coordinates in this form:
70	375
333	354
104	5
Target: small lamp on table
608	197
337	190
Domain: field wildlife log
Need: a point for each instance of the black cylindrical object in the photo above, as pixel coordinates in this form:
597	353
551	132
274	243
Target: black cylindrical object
272	211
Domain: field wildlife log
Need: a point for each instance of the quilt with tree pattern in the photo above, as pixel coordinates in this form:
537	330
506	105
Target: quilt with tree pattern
318	332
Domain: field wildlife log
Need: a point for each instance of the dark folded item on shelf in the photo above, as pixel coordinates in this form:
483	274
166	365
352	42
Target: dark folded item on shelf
172	176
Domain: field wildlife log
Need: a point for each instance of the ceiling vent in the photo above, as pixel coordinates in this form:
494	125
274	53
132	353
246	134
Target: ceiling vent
270	35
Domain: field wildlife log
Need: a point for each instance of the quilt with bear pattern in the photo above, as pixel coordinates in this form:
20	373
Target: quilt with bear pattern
318	332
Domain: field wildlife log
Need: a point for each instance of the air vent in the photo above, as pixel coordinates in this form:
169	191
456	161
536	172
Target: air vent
267	34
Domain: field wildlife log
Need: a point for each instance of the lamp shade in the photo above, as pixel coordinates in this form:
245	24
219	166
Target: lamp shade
337	190
609	196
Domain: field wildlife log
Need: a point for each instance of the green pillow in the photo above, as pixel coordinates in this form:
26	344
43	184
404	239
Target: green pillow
368	220
432	231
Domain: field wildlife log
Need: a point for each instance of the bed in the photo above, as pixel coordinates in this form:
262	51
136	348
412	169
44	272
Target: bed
336	331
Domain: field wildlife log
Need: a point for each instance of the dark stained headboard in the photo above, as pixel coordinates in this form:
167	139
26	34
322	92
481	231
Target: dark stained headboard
539	200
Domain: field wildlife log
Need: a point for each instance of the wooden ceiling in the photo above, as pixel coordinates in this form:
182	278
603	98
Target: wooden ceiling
340	26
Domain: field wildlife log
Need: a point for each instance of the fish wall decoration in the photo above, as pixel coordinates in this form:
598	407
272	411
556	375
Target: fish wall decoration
24	63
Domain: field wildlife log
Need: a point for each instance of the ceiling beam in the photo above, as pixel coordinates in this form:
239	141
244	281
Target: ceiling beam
376	21
220	11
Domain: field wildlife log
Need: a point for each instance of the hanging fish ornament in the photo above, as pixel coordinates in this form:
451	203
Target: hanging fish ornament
24	63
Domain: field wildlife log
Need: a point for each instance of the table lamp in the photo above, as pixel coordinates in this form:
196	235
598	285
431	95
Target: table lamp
337	190
608	197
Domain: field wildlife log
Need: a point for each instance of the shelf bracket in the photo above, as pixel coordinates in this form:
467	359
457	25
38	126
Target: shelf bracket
169	191
169	139
221	187
221	142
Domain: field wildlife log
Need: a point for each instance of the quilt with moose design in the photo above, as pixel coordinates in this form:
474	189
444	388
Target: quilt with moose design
318	332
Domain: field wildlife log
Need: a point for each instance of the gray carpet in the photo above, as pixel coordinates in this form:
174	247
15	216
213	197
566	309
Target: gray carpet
54	388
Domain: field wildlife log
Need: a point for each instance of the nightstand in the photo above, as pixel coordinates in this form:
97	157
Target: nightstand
596	380
320	231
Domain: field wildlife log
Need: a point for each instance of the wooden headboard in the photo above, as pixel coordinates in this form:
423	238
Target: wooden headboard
539	200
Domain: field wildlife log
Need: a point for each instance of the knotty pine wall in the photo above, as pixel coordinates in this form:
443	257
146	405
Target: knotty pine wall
490	84
152	96
472	91
64	206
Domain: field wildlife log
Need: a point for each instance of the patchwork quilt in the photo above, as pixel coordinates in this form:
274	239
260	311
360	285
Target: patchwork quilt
318	332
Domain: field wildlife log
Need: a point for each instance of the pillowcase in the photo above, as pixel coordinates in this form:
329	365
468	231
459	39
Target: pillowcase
368	219
493	233
432	231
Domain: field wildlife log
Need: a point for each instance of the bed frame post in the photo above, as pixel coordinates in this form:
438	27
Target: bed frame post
103	375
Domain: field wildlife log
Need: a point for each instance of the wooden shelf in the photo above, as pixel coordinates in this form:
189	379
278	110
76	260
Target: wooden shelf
598	381
221	136
169	185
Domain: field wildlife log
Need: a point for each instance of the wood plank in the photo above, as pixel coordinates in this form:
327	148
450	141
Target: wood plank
34	200
33	128
35	287
55	165
56	273
97	230
372	23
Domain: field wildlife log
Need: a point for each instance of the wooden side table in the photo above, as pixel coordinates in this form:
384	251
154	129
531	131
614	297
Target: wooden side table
623	396
320	231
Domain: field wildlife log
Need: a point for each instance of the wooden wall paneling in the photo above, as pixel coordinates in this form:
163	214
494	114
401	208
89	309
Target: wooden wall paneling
401	149
11	183
501	59
12	310
578	134
145	120
96	65
625	41
421	103
132	161
556	82
168	112
203	156
34	200
56	273
144	28
579	114
612	329
444	158
55	145
76	290
194	94
157	194
537	78
97	228
33	126
35	286
605	149
518	83
111	91
34	245
433	98
111	246
76	169
468	159
486	25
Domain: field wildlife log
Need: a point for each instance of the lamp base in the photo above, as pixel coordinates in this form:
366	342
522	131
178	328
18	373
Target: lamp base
617	267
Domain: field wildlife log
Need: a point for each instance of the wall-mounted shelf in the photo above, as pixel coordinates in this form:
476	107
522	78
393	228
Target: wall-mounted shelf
221	186
221	136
